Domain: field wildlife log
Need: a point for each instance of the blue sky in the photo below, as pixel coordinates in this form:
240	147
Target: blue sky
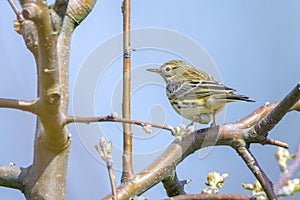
252	46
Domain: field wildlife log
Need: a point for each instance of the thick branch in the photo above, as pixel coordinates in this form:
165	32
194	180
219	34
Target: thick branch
29	106
60	7
266	124
63	48
47	33
173	185
11	176
152	175
211	197
48	69
296	106
174	154
260	113
78	10
227	134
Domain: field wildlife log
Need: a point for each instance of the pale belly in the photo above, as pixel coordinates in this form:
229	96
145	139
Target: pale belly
200	111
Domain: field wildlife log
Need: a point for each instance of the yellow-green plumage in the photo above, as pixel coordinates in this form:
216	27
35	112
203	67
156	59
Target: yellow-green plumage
195	94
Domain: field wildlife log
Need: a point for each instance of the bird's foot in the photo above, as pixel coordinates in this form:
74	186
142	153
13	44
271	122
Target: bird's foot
190	124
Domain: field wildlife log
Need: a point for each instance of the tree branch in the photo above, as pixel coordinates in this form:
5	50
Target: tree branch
47	33
173	185
87	120
296	106
25	27
257	171
104	150
12	176
78	10
60	7
29	106
14	7
267	123
127	173
227	134
48	69
211	197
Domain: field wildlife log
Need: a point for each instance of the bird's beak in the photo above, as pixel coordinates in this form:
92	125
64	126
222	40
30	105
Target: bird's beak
153	70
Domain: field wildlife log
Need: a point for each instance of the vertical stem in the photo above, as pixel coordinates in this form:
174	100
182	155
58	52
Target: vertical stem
112	182
127	134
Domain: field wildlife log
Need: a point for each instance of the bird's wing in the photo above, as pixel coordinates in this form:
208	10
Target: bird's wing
180	89
210	88
219	92
196	89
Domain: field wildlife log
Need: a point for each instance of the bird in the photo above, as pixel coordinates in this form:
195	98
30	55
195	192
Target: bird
195	94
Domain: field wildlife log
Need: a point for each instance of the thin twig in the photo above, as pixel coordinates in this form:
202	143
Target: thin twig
127	172
87	120
104	150
275	143
29	106
14	7
112	182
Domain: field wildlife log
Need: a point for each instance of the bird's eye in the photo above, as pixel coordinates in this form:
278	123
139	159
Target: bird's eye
168	69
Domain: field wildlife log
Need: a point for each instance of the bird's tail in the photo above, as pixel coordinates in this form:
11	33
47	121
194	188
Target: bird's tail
230	97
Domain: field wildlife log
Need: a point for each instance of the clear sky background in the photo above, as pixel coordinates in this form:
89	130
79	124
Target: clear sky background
254	46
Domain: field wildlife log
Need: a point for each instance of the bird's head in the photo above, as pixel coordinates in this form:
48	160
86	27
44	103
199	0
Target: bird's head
169	70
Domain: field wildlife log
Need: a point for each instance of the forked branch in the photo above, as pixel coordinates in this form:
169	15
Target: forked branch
47	31
236	135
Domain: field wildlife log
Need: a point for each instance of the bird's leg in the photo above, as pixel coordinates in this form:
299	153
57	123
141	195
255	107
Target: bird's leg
213	123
